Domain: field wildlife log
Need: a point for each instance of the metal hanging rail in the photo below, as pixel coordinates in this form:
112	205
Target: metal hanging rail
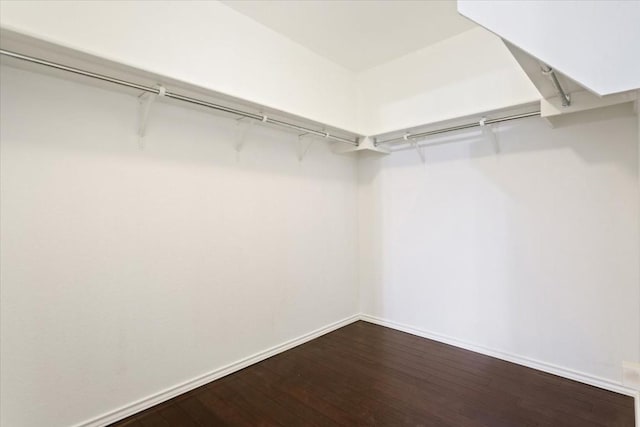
411	137
155	90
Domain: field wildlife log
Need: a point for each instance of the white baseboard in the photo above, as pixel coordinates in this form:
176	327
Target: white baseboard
154	399
571	374
149	401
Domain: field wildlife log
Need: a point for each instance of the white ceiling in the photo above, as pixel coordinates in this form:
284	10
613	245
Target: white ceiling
358	34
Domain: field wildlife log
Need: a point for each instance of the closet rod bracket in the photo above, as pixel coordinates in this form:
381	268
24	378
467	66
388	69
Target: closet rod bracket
419	149
244	125
489	133
145	100
303	148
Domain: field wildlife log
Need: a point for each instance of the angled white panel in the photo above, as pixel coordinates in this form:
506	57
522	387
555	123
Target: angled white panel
595	43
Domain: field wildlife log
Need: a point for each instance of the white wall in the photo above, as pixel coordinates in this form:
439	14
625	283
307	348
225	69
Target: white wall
470	73
593	42
125	272
204	43
533	252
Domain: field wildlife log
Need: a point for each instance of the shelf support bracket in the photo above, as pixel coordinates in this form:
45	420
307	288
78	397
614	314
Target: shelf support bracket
419	149
302	147
489	133
144	106
242	131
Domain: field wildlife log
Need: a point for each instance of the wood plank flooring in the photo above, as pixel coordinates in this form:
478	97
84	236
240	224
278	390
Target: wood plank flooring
364	374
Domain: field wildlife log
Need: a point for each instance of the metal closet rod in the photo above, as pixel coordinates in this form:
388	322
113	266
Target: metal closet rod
155	90
550	72
413	136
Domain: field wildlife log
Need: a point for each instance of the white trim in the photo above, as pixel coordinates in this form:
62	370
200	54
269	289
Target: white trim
154	399
637	406
571	374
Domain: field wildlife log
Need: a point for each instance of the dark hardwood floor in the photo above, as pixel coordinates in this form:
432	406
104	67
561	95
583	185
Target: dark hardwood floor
364	374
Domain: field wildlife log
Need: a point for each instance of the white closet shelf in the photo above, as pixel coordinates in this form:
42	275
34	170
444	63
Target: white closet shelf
25	52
